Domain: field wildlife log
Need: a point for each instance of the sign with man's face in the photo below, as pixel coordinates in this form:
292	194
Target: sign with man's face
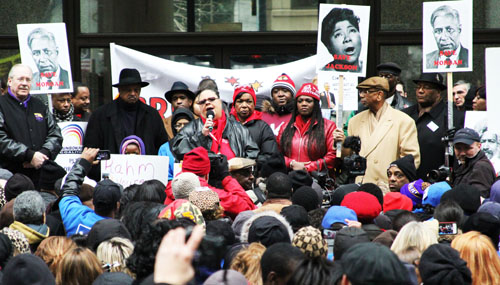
44	47
490	137
343	39
447	36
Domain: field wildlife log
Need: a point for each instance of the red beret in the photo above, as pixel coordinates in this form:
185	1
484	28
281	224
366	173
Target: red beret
366	205
397	201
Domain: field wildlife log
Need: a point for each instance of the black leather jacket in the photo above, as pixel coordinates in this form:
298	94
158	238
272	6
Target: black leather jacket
399	102
190	137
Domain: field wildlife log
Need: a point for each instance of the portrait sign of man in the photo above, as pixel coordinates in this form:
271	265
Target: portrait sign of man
39	45
447	32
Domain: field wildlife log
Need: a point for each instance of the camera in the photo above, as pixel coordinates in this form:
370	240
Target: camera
438	175
355	165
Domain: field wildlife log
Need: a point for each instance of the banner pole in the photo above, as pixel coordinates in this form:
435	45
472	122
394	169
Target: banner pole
449	148
340	113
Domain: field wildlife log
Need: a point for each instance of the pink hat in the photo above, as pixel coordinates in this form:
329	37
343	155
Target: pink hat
284	81
244	89
308	89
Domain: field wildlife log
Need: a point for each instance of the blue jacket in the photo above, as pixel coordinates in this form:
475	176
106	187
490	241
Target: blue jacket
76	217
165	151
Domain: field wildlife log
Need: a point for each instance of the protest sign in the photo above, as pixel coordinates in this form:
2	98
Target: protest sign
135	169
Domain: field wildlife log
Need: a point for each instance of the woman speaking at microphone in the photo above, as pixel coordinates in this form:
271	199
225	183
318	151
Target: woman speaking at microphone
214	130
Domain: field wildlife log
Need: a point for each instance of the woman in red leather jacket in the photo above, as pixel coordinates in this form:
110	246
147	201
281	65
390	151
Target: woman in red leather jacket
307	142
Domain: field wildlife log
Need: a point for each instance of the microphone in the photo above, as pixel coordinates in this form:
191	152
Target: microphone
210	116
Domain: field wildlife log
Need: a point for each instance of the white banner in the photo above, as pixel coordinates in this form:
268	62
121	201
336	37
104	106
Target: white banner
162	73
492	67
135	169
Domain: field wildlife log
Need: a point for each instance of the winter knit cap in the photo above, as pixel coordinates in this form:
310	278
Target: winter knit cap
373	263
467	196
228	277
306	197
197	162
495	192
278	185
397	201
490	207
441	264
308	89
5	174
407	165
486	224
183	184
284	81
6	249
310	241
104	230
205	200
296	215
341	191
300	178
17	184
133	140
241	89
50	173
347	237
182	209
338	214
27	269
413	190
18	239
364	204
433	193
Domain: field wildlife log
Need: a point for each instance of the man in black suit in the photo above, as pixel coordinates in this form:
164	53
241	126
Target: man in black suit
44	50
446	28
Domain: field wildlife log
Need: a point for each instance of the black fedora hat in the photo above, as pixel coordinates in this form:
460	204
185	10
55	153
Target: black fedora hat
129	76
179	87
389	67
434	78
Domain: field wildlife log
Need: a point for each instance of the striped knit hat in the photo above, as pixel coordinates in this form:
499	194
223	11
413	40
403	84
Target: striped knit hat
284	81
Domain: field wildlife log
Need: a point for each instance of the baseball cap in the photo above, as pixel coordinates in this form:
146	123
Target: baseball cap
467	136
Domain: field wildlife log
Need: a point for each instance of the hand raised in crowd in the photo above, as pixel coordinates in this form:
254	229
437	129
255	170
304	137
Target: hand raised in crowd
89	154
354	224
206	128
174	256
36	161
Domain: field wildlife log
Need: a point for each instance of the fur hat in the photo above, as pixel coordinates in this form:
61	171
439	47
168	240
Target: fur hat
183	184
245	231
310	241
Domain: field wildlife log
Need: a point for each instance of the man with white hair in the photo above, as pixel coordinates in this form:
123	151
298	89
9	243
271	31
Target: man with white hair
29	218
28	132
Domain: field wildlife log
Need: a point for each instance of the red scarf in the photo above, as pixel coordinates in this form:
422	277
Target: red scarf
220	145
302	126
256	115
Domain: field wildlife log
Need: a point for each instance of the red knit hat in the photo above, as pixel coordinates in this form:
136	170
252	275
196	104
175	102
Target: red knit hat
364	204
284	81
308	89
397	201
197	162
244	89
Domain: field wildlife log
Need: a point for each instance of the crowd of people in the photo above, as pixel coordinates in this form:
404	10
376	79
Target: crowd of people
264	195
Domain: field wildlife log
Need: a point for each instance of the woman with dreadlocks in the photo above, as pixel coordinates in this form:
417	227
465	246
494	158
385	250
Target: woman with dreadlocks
307	141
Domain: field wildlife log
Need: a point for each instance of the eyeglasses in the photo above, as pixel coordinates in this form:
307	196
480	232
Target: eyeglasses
367	91
209	100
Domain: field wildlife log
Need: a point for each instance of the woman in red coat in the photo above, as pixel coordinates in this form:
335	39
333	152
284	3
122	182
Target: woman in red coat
307	141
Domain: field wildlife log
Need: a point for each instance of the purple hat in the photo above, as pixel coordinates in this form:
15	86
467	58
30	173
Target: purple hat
413	190
132	140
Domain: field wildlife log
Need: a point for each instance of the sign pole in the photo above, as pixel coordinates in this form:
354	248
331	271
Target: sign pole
340	113
449	148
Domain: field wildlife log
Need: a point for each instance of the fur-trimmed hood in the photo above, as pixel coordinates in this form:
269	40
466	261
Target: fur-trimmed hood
246	226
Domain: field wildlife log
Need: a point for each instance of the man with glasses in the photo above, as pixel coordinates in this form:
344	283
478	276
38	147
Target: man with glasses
386	134
446	28
214	130
430	115
391	72
44	50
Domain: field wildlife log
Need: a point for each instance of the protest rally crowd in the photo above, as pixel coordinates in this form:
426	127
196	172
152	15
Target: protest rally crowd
270	190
